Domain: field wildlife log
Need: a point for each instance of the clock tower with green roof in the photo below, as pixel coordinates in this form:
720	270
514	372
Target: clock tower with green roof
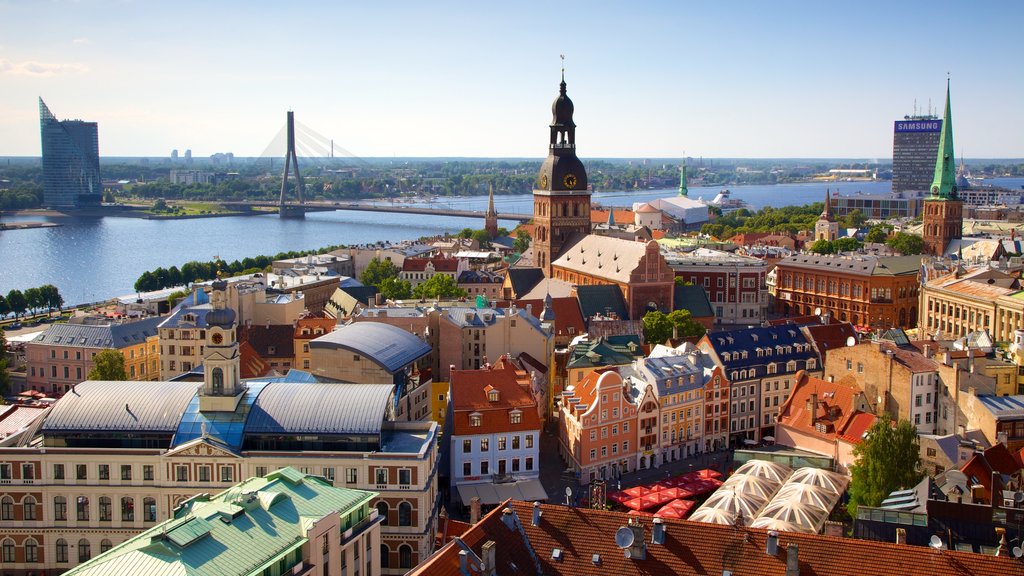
943	210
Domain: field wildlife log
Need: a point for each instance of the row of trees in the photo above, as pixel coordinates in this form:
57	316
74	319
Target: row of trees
18	303
384	275
199	271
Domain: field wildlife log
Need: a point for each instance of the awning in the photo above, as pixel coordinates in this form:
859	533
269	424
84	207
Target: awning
490	494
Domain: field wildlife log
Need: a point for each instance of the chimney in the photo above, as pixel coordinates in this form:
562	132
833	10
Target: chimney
945	357
536	514
489	564
1003	549
378	298
675	332
792	560
771	546
507	516
814	408
928	351
658	534
474	510
464	563
901	535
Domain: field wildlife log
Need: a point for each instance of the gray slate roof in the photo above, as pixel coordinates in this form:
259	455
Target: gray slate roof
320	409
390	347
101	405
100	335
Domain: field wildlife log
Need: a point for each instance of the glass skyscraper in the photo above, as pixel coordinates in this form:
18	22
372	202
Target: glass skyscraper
71	161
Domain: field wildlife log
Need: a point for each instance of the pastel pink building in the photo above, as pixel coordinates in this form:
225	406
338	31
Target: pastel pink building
598	426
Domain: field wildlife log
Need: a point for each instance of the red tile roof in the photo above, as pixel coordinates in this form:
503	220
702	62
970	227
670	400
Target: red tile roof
468	396
324	325
621	216
567	314
996	458
250	365
838	403
441	264
690	548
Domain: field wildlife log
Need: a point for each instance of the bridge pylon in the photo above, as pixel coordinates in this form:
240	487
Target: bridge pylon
287	210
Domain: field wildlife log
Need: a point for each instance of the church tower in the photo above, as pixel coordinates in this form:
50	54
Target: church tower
683	189
491	217
222	385
826	228
943	210
561	200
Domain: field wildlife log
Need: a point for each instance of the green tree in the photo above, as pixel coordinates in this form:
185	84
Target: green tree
482	238
466	233
822	247
377	270
888	459
16	302
855	219
439	286
5	308
684	324
680	281
34	299
522	242
177	296
877	234
395	289
846	244
906	244
51	297
657	327
5	378
108	365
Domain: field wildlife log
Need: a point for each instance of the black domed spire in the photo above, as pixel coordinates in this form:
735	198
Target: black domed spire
562	108
562	170
220	318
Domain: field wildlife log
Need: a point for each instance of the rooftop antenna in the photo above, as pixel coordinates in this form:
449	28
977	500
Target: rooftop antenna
915	106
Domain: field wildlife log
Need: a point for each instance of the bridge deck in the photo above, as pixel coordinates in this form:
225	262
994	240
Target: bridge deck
321	206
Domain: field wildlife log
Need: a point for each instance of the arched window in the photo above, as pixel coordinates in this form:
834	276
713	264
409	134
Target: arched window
60	508
128	509
29	505
84	550
105	509
31	550
62	550
385	556
382	511
405	514
82	507
218	381
149	510
105	545
405	556
7	508
8	550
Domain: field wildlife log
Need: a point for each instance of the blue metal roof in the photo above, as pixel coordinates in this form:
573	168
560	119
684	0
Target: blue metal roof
1004	407
177	316
390	347
320	409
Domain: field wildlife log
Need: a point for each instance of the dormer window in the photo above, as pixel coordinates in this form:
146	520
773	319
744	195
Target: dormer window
492	395
515	417
475	420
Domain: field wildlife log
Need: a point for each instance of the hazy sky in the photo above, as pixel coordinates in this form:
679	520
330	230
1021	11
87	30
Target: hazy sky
434	78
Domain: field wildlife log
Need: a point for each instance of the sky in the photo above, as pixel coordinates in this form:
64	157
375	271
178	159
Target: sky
740	79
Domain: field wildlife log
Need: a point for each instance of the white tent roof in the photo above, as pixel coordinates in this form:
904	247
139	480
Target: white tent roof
821	478
713	516
752	485
765	469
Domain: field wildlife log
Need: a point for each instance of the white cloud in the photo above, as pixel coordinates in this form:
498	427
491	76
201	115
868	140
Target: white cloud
81	41
39	69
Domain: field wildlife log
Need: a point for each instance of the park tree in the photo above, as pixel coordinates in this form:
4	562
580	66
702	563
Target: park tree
108	365
683	324
5	377
522	241
906	244
51	297
34	299
855	219
877	234
395	289
377	270
16	302
5	309
439	286
822	247
657	327
888	459
482	238
846	244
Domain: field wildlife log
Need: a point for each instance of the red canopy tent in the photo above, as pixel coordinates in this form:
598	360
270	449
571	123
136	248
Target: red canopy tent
675	509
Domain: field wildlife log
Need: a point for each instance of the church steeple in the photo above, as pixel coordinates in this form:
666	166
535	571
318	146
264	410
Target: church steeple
826	214
944	182
683	190
491	217
611	216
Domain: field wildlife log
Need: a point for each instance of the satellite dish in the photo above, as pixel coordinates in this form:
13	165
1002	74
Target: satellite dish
817	311
1018	497
624	537
935	542
851	341
568	491
1017	552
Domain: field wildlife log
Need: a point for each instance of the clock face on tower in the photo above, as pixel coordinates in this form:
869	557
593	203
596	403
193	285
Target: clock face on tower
217	338
569	180
544	181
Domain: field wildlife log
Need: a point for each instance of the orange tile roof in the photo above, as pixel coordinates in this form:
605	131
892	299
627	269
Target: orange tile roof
468	396
324	324
621	216
567	313
690	548
250	365
837	406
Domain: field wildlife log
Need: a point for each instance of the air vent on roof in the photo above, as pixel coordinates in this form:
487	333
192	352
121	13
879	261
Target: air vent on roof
556	554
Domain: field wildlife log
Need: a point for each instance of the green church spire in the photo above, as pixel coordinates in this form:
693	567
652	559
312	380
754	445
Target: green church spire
944	182
683	191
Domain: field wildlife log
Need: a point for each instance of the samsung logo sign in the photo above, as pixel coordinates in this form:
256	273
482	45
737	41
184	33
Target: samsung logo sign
919	125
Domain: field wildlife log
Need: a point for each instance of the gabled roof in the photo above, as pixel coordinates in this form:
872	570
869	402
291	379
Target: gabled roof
839	413
567	314
522	280
603	256
825	337
585	542
736	343
270	340
694	299
306	328
469	395
602	299
390	347
99	335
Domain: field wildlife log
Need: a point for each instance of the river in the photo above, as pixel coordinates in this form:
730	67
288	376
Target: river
92	259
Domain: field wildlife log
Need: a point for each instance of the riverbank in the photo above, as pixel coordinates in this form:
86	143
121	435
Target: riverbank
140	212
27	225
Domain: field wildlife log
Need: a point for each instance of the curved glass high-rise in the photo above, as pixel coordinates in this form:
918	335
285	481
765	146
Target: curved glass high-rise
71	161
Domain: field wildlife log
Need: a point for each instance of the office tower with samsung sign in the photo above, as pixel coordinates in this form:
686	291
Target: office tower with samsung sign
915	142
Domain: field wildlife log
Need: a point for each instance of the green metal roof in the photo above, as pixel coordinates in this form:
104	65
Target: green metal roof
944	182
242	530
